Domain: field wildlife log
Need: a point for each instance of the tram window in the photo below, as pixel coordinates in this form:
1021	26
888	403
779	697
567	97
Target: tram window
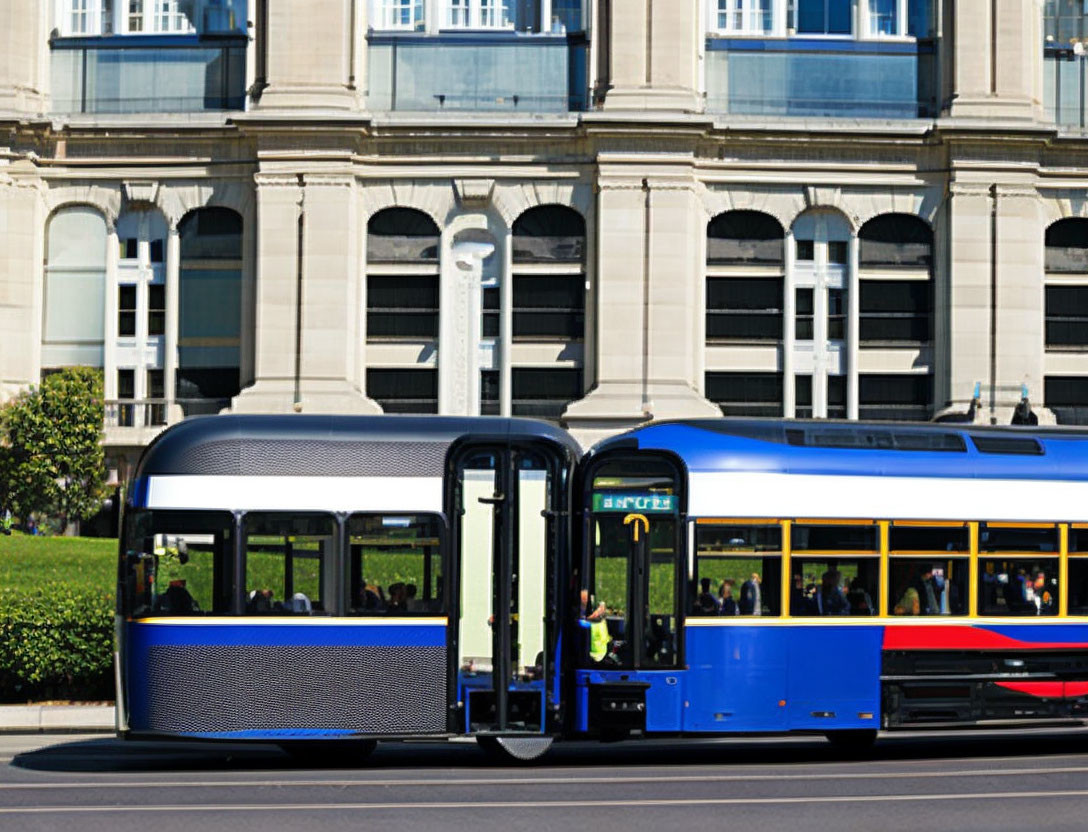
1001	538
396	564
1078	539
928	586
1018	586
1078	585
832	586
835	538
177	562
929	539
735	574
287	560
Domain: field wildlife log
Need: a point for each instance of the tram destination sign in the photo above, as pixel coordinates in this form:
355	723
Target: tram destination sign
641	502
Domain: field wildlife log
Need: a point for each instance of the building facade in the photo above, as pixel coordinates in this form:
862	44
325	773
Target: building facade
590	211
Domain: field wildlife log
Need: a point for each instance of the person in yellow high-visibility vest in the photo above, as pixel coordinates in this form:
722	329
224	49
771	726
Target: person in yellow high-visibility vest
594	621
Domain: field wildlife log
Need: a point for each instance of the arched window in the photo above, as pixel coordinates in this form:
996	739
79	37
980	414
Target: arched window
549	302
549	234
744	238
402	307
1067	246
74	320
210	310
401	235
896	240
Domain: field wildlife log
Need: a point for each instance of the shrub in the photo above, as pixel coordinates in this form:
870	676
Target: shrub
56	642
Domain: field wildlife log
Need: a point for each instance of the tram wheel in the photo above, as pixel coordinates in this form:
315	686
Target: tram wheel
329	753
515	749
855	741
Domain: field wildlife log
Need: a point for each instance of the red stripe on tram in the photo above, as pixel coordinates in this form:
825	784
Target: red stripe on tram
962	638
1048	690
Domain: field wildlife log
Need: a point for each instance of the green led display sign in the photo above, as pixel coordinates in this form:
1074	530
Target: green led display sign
642	503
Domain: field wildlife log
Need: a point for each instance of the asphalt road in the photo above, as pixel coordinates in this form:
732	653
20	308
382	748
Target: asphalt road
1016	780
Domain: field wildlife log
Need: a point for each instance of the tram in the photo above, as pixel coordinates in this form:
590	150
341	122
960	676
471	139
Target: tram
300	579
306	579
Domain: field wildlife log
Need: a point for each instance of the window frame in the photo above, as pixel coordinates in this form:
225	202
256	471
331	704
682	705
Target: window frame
327	574
773	589
442	585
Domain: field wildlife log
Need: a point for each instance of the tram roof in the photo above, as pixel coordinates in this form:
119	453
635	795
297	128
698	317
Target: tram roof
859	448
328	445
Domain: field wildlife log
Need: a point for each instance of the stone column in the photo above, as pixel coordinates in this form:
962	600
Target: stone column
1021	299
506	324
993	67
331	290
24	56
653	56
647	280
173	321
109	333
967	288
313	55
21	289
279	201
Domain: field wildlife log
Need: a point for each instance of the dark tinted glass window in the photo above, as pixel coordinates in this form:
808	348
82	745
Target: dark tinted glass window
929	539
747	309
928	586
544	392
407	390
403	307
1067	316
746	394
489	392
804	302
834	586
549	306
744	237
156	309
836	397
126	310
401	235
895	311
993	538
1067	246
897	397
549	233
803	396
1067	397
895	240
211	233
834	538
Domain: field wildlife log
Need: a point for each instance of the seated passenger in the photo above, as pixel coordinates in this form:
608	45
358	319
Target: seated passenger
908	604
831	600
727	604
260	601
398	598
705	602
860	601
370	597
1044	598
176	599
299	603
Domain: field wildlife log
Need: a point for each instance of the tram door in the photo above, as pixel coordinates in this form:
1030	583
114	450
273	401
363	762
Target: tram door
506	538
634	567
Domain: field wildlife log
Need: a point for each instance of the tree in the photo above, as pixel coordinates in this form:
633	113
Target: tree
52	461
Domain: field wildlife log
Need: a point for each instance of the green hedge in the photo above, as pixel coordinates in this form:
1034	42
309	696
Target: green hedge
56	642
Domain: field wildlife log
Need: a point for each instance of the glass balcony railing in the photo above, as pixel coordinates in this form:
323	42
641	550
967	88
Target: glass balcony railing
502	72
148	74
1065	82
827	78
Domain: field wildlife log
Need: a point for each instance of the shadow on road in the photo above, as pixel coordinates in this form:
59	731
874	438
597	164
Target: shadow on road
113	755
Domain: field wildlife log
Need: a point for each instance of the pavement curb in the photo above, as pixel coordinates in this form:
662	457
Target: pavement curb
56	719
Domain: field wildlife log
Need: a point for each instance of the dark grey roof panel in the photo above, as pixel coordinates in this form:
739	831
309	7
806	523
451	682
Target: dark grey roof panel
327	446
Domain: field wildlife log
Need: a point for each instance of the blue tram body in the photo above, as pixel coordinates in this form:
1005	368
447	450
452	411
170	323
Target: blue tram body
794	670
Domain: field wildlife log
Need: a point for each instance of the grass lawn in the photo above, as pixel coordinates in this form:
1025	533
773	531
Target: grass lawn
27	562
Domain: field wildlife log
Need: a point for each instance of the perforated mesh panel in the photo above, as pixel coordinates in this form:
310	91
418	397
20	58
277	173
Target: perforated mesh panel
314	458
379	690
